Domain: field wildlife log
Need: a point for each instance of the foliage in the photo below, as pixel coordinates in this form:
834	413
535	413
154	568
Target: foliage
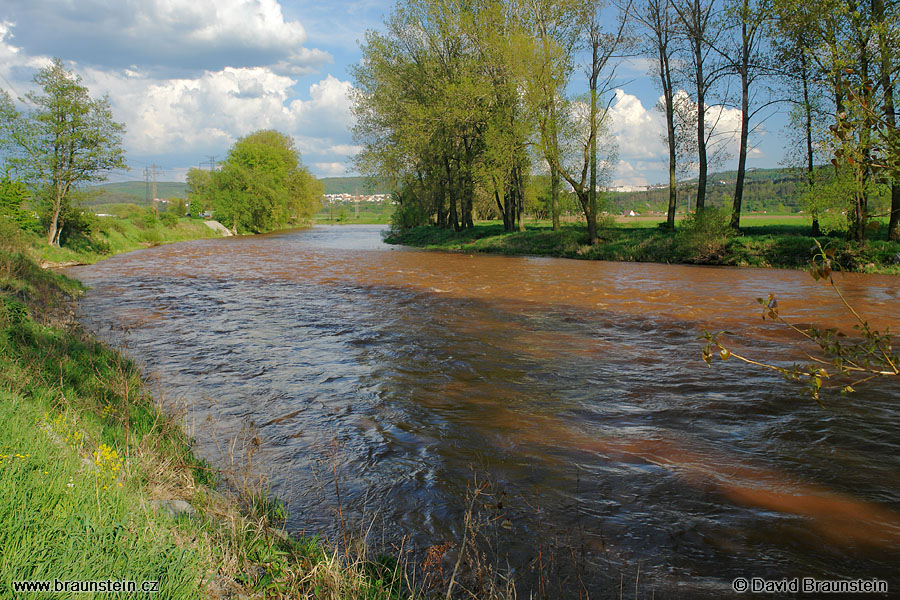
455	103
177	207
409	213
66	140
13	195
847	362
199	190
262	184
169	219
832	199
703	235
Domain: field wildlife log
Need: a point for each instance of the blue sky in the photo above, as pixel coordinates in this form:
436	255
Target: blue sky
189	77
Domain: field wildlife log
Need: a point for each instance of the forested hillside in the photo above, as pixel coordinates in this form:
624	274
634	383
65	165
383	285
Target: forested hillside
134	192
765	190
354	185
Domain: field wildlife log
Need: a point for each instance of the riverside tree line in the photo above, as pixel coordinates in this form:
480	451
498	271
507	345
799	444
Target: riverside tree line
59	139
460	103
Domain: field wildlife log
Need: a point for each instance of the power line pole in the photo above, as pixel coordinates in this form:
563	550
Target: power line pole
211	162
154	172
147	184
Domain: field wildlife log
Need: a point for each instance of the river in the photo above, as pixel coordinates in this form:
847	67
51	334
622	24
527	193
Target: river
573	390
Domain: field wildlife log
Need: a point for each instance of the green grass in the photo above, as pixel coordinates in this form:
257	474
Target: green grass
128	229
60	520
368	215
771	241
85	450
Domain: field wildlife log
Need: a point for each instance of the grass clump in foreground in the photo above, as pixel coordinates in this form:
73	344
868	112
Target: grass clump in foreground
88	460
695	241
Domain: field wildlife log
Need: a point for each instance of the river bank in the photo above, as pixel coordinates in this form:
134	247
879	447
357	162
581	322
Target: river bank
785	246
130	228
99	482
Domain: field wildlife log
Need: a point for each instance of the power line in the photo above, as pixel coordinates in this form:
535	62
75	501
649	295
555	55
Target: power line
150	175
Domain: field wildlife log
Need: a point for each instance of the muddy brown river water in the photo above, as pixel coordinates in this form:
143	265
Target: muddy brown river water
575	388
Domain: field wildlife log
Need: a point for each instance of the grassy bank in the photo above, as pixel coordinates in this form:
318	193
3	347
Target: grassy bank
98	481
773	242
125	228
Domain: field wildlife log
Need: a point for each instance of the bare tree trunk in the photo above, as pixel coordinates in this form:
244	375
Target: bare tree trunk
810	167
887	68
53	233
591	212
701	131
554	198
520	197
745	133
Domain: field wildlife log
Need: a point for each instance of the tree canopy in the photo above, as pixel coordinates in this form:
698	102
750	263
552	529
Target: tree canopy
260	186
66	139
462	100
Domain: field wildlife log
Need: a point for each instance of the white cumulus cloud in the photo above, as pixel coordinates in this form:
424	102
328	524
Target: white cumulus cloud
166	36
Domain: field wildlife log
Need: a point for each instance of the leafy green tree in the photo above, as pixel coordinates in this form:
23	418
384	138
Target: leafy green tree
199	190
743	55
176	206
262	185
66	140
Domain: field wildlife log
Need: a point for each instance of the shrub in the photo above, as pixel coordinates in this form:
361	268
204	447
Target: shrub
148	220
703	235
408	214
168	219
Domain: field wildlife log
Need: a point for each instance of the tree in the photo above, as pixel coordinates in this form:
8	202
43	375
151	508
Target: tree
657	19
887	34
743	57
66	140
13	194
697	24
555	25
199	189
585	121
792	47
262	184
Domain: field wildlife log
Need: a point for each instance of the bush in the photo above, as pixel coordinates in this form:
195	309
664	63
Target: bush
703	235
148	220
151	236
408	214
168	219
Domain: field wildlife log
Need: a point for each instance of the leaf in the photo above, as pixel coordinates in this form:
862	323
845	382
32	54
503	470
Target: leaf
725	354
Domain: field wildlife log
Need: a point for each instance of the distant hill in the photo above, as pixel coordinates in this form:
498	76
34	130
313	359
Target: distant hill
135	192
772	190
352	185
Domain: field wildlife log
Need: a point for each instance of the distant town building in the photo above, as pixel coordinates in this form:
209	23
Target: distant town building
341	198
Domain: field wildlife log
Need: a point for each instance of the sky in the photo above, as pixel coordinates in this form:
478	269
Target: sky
190	77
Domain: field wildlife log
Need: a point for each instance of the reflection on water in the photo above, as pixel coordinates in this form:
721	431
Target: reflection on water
575	387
